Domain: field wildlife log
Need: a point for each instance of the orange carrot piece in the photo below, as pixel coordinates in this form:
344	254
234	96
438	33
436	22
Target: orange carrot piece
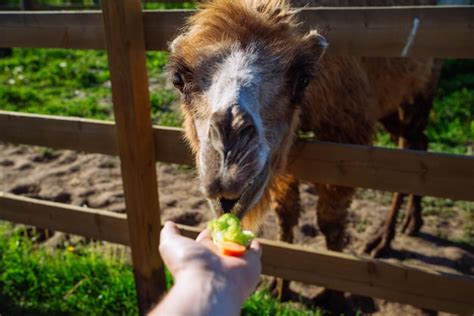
228	248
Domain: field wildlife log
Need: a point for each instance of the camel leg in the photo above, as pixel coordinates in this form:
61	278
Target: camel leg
414	125
332	209
286	203
332	213
380	243
408	127
413	219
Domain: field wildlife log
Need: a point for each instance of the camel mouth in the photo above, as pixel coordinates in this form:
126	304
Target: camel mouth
252	193
228	205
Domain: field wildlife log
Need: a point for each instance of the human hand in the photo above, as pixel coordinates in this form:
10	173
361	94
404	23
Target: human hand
198	260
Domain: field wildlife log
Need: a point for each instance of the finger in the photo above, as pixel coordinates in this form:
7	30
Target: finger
205	234
205	238
171	226
208	243
172	246
168	232
255	246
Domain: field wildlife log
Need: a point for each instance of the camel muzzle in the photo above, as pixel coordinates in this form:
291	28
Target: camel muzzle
251	194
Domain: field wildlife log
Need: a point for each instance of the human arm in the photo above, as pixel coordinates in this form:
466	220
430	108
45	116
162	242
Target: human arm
205	283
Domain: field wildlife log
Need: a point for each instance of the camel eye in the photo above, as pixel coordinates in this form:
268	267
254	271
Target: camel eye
178	81
303	82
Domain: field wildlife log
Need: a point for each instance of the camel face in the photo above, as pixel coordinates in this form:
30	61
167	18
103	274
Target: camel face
234	150
241	94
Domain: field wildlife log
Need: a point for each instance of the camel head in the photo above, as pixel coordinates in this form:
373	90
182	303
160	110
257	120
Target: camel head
242	68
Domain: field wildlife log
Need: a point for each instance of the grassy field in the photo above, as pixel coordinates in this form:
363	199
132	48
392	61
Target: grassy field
74	83
80	280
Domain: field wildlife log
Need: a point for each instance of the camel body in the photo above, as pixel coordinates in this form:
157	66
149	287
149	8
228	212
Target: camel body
299	87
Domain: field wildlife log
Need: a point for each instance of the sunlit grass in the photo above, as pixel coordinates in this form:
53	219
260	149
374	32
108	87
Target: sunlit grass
75	83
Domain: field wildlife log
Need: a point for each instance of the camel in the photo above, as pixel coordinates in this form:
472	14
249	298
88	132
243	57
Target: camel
250	79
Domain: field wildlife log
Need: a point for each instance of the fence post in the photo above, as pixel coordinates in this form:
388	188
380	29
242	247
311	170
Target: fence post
124	35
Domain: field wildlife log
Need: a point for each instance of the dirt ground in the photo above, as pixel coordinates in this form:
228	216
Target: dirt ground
94	181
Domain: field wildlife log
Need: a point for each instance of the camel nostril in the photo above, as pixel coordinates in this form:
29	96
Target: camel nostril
227	205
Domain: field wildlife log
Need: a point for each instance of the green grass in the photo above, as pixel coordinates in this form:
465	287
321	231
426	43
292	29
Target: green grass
57	82
167	6
35	280
263	304
74	83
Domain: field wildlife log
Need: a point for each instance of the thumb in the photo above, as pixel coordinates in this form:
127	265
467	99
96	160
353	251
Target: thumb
170	229
169	234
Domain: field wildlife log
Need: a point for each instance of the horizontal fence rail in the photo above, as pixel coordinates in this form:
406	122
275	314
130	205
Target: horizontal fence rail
90	223
363	276
444	32
406	171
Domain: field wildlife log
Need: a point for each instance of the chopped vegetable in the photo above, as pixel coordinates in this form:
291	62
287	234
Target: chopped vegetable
228	248
227	229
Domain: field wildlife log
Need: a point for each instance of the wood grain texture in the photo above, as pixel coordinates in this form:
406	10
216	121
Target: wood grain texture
127	64
358	275
57	132
86	135
431	174
406	171
374	31
91	223
79	30
383	31
368	277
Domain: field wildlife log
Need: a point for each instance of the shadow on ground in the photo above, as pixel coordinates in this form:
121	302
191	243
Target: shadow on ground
463	263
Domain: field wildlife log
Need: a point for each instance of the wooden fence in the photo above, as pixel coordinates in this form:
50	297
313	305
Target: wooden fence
34	5
376	31
125	32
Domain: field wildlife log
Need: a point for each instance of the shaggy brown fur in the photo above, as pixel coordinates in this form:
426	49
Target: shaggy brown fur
345	99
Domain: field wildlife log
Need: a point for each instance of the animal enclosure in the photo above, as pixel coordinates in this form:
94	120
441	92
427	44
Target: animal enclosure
126	32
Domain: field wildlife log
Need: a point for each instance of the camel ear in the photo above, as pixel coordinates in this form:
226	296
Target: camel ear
175	43
317	44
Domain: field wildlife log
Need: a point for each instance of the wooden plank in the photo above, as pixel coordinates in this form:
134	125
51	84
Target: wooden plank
86	135
358	275
91	223
406	171
441	175
161	27
385	31
57	132
374	31
78	30
368	277
127	64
